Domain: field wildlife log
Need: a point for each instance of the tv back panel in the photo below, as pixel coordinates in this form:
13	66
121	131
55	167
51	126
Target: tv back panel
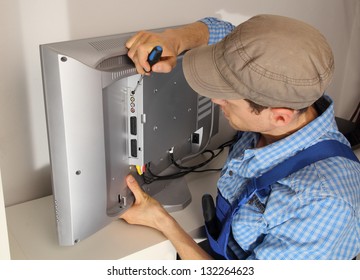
98	129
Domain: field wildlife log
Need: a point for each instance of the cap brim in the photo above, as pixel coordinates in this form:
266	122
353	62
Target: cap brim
203	75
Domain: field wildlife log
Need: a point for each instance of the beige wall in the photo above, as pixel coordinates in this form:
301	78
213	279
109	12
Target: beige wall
4	240
24	24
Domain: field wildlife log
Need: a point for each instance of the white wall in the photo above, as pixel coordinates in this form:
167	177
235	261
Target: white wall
4	240
24	24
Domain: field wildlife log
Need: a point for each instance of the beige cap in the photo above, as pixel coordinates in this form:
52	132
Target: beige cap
274	61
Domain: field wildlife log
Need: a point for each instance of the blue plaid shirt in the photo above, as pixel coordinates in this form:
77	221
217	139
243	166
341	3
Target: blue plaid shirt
311	214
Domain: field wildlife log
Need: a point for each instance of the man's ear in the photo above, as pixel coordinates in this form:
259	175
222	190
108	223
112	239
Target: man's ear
281	116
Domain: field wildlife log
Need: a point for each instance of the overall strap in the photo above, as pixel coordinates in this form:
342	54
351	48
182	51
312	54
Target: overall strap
317	152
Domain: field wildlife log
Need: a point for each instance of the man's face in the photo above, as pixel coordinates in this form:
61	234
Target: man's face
242	117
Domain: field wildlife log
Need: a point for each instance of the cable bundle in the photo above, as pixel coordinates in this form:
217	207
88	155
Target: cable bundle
150	177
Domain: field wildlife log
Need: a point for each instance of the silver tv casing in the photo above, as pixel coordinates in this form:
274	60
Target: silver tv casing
89	99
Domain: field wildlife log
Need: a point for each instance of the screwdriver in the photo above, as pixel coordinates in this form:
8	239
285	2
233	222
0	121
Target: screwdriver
153	57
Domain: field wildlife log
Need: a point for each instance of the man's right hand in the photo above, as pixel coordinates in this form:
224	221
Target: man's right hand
141	44
173	42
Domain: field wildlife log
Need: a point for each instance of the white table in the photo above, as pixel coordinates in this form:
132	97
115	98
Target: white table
32	229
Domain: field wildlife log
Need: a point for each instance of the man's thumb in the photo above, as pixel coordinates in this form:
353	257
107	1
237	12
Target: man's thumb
133	185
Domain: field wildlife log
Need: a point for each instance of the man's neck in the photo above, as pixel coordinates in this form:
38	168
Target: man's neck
302	120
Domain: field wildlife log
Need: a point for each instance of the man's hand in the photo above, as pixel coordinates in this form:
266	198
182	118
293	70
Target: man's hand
141	44
145	210
173	42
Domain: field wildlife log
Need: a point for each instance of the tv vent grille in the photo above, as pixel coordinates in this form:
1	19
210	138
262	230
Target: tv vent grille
105	45
117	63
122	74
204	107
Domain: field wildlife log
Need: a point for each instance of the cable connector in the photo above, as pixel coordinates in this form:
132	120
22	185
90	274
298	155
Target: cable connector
171	151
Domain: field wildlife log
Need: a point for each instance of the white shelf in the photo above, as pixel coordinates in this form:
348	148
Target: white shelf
32	229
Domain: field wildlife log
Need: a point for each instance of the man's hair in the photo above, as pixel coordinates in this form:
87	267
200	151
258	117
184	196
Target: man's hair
256	108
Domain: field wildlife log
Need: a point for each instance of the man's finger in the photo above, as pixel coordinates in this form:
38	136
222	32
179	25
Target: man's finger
164	66
134	187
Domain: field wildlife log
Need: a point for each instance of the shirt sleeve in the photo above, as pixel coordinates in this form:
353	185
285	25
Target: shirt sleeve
218	29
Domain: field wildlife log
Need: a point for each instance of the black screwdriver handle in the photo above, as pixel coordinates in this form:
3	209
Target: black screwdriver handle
154	55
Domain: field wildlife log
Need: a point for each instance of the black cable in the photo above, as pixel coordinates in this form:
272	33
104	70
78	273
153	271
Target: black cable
195	166
153	177
150	177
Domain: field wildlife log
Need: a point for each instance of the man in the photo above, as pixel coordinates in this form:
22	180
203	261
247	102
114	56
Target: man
269	76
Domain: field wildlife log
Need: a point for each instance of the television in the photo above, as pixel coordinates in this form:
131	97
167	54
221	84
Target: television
100	130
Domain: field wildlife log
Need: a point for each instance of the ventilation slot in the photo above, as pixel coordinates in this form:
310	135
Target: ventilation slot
123	74
204	107
118	63
106	45
117	60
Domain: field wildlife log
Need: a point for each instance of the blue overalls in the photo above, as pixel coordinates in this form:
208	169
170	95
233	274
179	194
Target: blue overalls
226	211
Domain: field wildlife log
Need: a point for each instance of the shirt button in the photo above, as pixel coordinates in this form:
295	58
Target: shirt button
230	173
